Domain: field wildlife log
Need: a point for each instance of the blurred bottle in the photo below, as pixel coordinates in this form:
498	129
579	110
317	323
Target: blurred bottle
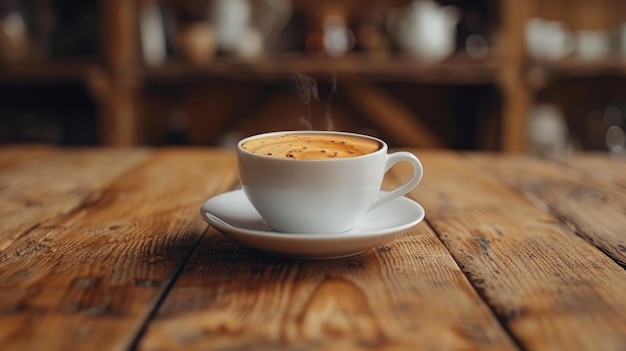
547	131
15	41
604	127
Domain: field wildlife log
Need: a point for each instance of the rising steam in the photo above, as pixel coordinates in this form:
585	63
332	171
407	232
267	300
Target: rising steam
329	121
306	88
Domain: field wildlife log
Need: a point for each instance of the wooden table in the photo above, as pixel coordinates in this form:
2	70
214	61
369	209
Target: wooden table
104	249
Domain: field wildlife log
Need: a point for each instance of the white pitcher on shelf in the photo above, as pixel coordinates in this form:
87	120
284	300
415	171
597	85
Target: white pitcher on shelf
425	29
246	28
230	19
547	40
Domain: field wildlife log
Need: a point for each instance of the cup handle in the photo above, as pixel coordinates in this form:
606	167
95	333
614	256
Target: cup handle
418	171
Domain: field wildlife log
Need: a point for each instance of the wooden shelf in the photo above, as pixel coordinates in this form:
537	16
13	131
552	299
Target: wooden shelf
575	67
117	80
47	72
458	69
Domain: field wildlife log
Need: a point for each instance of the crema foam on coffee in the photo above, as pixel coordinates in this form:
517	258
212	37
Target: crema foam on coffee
310	146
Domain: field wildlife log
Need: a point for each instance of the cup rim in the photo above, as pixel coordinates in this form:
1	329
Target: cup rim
382	149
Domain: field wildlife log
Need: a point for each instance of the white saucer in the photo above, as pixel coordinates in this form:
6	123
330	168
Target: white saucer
232	214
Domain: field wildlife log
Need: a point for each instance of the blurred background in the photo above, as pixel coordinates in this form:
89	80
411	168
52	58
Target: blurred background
541	76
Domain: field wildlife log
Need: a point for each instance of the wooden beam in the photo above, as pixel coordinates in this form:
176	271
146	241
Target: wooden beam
516	95
391	116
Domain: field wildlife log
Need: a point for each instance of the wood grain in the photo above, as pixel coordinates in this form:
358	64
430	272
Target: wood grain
55	186
89	278
587	200
602	166
104	249
551	289
15	155
408	294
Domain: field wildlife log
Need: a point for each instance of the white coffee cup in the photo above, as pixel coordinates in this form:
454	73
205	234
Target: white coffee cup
321	195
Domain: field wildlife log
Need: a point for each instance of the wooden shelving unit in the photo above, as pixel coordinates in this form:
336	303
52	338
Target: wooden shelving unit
459	69
572	67
38	72
121	84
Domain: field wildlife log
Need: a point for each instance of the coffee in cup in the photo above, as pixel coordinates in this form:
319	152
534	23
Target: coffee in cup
318	181
311	146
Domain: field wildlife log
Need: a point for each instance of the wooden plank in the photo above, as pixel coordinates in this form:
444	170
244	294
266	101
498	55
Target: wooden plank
602	166
89	279
15	155
408	294
57	185
552	289
592	208
390	116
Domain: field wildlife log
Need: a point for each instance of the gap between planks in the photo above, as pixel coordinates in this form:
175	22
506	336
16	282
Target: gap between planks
106	294
590	202
552	288
406	294
162	295
400	175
